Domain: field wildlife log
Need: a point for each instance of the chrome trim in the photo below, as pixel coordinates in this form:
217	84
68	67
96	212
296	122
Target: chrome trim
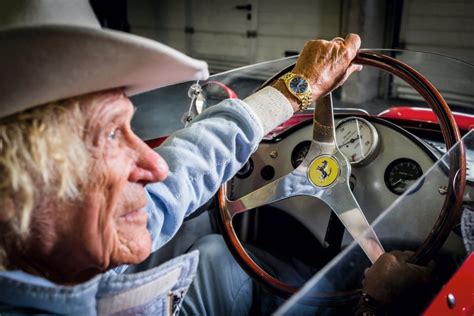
338	196
371	154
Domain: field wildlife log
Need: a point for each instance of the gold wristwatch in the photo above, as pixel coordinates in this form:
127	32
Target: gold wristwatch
299	87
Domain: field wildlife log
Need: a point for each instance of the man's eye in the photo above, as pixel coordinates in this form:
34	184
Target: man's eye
113	134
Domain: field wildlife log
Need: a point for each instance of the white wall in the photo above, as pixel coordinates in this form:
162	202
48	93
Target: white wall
286	25
443	26
163	21
220	30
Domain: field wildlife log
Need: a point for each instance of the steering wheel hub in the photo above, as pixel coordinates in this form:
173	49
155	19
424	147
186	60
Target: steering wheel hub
323	171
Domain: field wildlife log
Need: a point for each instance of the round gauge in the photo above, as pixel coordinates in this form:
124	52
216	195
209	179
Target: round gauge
357	139
401	174
246	170
299	153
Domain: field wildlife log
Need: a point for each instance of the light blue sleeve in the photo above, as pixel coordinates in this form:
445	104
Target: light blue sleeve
200	157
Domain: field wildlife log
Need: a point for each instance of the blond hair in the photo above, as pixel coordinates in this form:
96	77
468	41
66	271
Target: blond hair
42	154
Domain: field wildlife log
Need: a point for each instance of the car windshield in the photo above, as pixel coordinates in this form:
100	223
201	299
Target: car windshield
346	270
371	90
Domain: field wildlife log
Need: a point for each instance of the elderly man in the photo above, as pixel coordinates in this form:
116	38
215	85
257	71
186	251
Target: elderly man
82	196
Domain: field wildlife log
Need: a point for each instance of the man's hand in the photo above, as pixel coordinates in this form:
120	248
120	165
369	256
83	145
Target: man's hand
391	276
326	65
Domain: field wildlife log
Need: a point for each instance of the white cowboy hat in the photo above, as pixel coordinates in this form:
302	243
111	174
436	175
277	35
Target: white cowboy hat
55	49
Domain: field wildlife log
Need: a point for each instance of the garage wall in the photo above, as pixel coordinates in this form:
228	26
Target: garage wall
445	27
219	31
161	20
283	27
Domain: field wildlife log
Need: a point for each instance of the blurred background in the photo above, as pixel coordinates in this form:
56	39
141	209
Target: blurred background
232	33
235	33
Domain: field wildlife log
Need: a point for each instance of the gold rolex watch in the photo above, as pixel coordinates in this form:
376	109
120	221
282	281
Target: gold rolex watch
299	87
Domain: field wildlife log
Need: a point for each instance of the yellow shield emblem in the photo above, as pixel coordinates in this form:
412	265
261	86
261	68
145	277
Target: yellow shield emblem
323	171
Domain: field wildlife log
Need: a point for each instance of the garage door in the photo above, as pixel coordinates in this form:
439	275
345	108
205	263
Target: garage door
232	33
445	27
223	32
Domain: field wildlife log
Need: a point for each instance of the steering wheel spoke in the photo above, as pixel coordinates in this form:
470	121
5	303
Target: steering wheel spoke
345	206
323	125
294	183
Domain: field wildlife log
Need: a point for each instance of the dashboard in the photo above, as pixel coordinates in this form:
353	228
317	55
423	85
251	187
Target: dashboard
386	162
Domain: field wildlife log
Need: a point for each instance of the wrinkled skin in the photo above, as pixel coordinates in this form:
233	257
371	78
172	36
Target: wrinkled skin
325	64
73	241
391	276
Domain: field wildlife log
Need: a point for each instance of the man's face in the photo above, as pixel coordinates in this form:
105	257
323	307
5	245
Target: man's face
107	226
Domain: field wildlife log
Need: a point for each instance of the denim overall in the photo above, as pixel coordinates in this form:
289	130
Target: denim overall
158	291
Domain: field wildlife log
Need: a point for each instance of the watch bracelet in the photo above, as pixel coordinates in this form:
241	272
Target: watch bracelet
304	99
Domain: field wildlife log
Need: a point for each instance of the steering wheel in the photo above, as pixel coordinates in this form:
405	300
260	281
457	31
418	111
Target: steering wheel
324	174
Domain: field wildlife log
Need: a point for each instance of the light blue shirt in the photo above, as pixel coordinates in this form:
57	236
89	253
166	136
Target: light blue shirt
201	157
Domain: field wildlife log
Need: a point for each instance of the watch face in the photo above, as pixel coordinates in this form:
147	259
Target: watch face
298	85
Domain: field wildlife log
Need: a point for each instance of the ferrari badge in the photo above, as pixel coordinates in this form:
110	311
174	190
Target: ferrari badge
323	171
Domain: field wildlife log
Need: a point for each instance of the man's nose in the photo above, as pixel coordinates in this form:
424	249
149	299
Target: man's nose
149	167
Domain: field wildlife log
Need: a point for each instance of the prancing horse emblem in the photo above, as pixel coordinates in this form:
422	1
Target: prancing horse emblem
323	171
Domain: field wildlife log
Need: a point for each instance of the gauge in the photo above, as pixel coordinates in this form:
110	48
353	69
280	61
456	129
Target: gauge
357	139
299	153
246	170
401	174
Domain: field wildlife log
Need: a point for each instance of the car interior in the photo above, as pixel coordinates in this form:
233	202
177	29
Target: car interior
397	165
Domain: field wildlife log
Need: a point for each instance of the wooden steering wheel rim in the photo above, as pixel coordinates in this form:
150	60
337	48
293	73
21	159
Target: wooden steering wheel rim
450	211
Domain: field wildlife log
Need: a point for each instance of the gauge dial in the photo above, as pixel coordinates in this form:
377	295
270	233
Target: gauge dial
246	170
357	139
299	153
401	174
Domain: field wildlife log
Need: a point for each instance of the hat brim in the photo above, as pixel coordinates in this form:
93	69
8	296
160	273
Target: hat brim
49	63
